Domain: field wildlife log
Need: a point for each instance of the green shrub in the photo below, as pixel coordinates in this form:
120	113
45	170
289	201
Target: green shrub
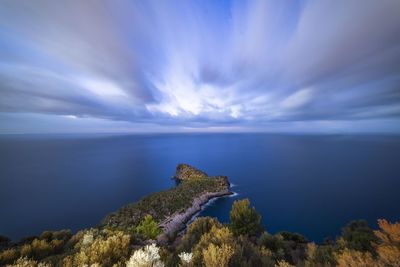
274	243
245	220
323	256
148	228
295	237
357	235
249	254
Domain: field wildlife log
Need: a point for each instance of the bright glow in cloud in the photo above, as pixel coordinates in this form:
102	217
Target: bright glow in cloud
297	99
255	65
103	88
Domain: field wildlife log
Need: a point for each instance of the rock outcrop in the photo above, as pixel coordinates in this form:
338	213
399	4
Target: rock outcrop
187	172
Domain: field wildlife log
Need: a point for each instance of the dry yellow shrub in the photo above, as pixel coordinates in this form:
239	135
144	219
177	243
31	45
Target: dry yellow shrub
8	256
105	250
311	249
217	236
388	248
217	256
25	262
26	250
353	258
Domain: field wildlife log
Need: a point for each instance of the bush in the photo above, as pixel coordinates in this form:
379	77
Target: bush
25	262
72	242
38	249
27	240
195	230
64	235
244	219
148	228
248	254
354	258
295	237
106	248
186	258
320	255
146	257
357	235
388	248
273	243
216	236
170	258
217	256
9	256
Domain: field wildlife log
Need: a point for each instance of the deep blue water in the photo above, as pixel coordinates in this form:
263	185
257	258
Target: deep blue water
302	183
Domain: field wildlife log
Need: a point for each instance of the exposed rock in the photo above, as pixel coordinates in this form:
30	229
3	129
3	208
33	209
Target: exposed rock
177	222
187	172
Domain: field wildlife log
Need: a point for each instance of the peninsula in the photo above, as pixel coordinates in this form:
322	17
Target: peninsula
172	208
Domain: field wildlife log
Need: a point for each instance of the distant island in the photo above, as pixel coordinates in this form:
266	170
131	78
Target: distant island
152	233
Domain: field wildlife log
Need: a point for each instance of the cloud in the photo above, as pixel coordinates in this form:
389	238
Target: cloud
202	63
297	99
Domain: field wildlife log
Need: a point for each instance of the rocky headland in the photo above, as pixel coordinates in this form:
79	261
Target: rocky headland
174	208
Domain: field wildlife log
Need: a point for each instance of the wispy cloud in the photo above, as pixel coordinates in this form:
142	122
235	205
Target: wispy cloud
201	64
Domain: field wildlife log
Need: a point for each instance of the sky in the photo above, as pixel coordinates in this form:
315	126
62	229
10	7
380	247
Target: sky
207	66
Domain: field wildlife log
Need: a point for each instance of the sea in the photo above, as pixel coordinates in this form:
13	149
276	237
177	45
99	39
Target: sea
310	184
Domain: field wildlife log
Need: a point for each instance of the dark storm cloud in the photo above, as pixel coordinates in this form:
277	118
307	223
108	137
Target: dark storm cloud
202	63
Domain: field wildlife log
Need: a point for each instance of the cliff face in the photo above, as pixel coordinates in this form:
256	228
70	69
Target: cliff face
187	172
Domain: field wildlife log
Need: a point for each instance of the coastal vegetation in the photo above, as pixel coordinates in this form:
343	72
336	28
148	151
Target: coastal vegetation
210	243
130	237
164	204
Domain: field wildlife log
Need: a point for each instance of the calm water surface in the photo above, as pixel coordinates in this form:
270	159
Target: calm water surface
301	183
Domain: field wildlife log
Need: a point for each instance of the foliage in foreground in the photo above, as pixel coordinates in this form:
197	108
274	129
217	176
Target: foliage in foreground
245	220
209	243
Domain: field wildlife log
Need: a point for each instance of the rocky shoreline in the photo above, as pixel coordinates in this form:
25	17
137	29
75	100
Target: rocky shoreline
173	209
178	221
